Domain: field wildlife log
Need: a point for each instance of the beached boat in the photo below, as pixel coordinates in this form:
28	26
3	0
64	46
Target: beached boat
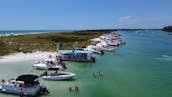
112	39
45	66
92	49
24	85
113	43
49	63
101	48
59	76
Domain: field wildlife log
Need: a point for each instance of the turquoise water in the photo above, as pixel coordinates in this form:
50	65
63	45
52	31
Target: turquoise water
140	68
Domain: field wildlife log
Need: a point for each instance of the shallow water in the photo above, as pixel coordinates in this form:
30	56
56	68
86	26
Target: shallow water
140	68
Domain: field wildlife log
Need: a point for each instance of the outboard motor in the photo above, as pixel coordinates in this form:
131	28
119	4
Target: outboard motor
93	58
63	65
43	90
102	52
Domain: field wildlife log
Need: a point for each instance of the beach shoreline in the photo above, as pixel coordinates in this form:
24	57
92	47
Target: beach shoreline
17	57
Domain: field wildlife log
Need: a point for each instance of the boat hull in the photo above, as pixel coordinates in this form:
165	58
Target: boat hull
60	76
29	91
45	67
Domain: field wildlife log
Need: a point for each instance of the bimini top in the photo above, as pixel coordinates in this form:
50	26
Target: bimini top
76	51
27	78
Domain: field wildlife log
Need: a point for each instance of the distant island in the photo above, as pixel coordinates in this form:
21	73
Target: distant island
167	29
47	41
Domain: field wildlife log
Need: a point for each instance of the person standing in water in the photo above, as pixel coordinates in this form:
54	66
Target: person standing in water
70	89
94	75
76	89
100	74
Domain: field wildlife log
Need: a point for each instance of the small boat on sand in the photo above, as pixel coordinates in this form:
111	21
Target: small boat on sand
24	85
93	49
49	63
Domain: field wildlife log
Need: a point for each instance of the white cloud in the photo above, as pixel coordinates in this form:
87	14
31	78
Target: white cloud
140	22
127	19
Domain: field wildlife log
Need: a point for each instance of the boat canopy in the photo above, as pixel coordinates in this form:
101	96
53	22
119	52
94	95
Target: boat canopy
28	78
93	43
55	69
96	39
76	51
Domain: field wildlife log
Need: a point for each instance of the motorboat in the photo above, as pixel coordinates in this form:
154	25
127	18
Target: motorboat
48	63
24	85
58	75
76	55
99	48
103	48
92	49
113	43
116	42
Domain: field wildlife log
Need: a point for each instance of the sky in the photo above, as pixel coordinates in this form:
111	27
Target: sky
84	14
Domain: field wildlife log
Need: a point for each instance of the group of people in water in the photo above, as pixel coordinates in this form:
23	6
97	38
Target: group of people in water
95	74
98	74
76	89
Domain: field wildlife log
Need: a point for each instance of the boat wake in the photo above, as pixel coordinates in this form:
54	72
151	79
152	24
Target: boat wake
17	57
165	57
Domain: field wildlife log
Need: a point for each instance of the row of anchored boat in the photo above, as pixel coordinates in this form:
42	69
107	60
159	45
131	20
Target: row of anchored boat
28	84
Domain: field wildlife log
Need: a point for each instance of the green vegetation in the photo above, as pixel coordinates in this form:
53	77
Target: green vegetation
167	29
46	41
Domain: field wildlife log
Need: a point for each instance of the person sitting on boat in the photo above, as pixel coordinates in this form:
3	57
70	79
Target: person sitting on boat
58	61
63	65
51	62
45	73
50	56
2	81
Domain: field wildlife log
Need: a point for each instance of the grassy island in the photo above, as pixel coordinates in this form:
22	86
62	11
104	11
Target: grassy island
167	29
46	41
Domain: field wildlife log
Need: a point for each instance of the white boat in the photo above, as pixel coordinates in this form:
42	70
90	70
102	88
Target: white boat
103	47
59	76
92	49
45	66
24	85
103	44
48	63
113	43
99	47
